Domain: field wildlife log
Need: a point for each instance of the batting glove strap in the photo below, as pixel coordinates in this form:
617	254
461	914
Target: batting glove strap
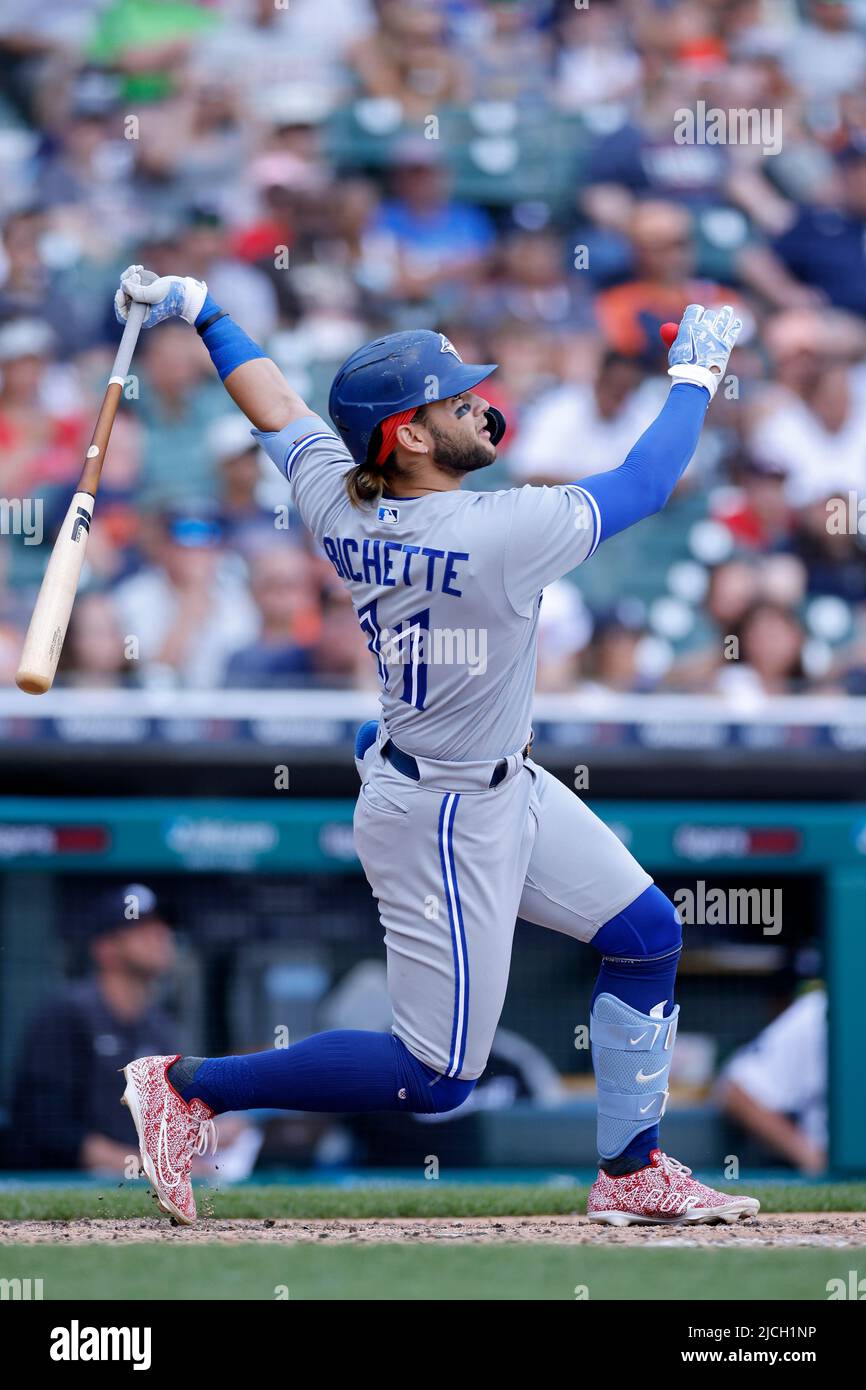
696	376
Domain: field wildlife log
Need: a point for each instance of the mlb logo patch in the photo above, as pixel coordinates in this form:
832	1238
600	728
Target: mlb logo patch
389	514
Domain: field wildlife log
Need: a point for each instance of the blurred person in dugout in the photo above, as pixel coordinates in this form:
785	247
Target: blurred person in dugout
776	1086
64	1111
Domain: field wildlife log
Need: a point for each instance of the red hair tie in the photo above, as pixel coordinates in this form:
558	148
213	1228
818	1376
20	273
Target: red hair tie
389	428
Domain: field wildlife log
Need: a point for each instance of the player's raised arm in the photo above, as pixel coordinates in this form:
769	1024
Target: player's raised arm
303	447
644	482
254	382
574	518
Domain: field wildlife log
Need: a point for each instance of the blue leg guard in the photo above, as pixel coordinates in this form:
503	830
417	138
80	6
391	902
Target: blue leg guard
633	1025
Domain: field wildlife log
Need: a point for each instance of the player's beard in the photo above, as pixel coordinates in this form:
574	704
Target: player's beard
459	456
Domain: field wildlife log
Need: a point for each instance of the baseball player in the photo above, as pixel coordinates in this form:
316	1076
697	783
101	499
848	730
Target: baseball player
458	830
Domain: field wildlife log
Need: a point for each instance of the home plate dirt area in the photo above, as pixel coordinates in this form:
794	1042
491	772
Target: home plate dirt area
831	1230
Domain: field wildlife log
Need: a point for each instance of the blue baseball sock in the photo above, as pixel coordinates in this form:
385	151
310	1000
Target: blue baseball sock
343	1070
641	947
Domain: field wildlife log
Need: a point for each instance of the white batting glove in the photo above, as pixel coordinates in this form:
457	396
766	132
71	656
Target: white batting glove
701	349
171	296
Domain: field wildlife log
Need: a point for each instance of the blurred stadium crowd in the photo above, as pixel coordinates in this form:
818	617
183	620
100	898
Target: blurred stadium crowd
505	172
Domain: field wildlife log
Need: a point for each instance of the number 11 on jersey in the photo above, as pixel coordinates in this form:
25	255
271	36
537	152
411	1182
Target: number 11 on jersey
405	645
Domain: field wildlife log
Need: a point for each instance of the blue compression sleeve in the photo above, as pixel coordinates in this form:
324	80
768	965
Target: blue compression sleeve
644	482
227	343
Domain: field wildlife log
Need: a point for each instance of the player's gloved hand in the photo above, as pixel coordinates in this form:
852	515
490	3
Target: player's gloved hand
171	296
701	349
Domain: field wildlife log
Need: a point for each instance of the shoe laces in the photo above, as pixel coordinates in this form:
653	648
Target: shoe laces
672	1168
674	1201
207	1137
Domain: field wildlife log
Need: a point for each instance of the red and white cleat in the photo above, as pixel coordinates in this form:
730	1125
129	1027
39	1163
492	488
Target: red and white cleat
665	1193
170	1132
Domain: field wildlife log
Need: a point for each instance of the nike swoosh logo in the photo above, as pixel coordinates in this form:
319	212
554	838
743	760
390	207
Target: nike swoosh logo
166	1172
644	1108
650	1076
657	1028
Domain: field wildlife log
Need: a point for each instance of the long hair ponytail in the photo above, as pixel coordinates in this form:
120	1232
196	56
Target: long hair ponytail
366	482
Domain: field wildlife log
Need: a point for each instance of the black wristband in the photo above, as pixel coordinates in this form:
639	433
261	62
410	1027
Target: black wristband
201	328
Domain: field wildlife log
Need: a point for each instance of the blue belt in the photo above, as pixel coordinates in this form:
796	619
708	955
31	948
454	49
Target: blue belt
405	763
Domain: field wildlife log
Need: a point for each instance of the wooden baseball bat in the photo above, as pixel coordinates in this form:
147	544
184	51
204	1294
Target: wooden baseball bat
45	635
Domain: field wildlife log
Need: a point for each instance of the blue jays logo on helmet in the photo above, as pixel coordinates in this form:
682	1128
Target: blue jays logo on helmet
394	373
448	346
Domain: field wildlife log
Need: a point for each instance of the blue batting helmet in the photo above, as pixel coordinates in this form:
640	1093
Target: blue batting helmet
395	373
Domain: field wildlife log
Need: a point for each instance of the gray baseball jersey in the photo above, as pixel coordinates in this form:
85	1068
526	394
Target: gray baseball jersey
447	589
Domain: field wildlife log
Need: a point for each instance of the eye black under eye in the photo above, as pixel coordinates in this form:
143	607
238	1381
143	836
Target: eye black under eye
461	410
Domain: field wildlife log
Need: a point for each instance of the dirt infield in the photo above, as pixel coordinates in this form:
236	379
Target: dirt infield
830	1230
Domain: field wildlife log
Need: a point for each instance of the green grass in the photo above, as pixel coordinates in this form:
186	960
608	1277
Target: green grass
399	1200
428	1272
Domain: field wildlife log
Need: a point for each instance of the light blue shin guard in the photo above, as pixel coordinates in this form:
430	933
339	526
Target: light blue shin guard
631	1054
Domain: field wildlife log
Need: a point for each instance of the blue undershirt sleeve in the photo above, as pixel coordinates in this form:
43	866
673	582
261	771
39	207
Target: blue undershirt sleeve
643	483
